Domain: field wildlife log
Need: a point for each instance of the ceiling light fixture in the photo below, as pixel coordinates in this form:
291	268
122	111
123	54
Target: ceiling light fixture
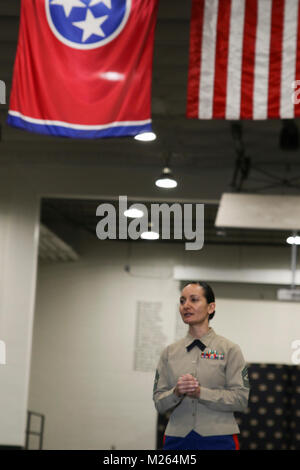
295	240
145	137
134	213
289	135
150	234
166	179
221	232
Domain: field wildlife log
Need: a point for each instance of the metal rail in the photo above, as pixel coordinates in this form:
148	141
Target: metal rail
35	433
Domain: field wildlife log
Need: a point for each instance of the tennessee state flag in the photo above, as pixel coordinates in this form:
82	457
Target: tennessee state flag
83	68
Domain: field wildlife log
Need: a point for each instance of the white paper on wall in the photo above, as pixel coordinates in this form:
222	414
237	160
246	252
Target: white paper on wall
150	339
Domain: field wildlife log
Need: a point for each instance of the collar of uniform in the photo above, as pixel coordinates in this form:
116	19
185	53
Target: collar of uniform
205	338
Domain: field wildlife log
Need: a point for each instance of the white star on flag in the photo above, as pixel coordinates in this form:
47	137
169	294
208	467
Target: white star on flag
107	3
91	25
68	5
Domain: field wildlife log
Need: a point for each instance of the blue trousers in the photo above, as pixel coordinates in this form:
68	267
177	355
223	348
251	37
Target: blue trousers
194	441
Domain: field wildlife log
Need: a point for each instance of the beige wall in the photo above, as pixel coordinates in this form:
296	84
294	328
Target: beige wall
19	227
21	186
82	374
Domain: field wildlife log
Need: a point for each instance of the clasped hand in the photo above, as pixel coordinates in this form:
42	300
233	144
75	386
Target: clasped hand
187	385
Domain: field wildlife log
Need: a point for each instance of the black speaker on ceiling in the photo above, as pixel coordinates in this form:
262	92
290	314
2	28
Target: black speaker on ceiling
289	136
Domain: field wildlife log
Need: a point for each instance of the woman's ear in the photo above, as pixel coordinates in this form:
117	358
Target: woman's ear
211	307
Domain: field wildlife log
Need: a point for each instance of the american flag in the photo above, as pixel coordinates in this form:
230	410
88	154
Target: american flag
244	59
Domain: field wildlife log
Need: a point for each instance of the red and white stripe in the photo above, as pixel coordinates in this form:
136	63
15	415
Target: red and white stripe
244	59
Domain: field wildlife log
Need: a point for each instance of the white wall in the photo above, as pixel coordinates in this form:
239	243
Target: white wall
82	374
83	349
264	329
19	228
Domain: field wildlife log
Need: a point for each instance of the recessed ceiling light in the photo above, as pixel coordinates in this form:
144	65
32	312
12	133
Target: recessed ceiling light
221	233
145	137
134	213
293	240
166	180
150	236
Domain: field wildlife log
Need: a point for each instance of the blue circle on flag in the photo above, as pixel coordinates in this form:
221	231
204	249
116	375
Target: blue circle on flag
86	24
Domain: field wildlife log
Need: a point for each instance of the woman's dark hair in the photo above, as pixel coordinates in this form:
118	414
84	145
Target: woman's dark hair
208	293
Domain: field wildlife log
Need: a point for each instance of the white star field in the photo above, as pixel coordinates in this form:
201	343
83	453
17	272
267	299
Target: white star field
91	25
68	5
